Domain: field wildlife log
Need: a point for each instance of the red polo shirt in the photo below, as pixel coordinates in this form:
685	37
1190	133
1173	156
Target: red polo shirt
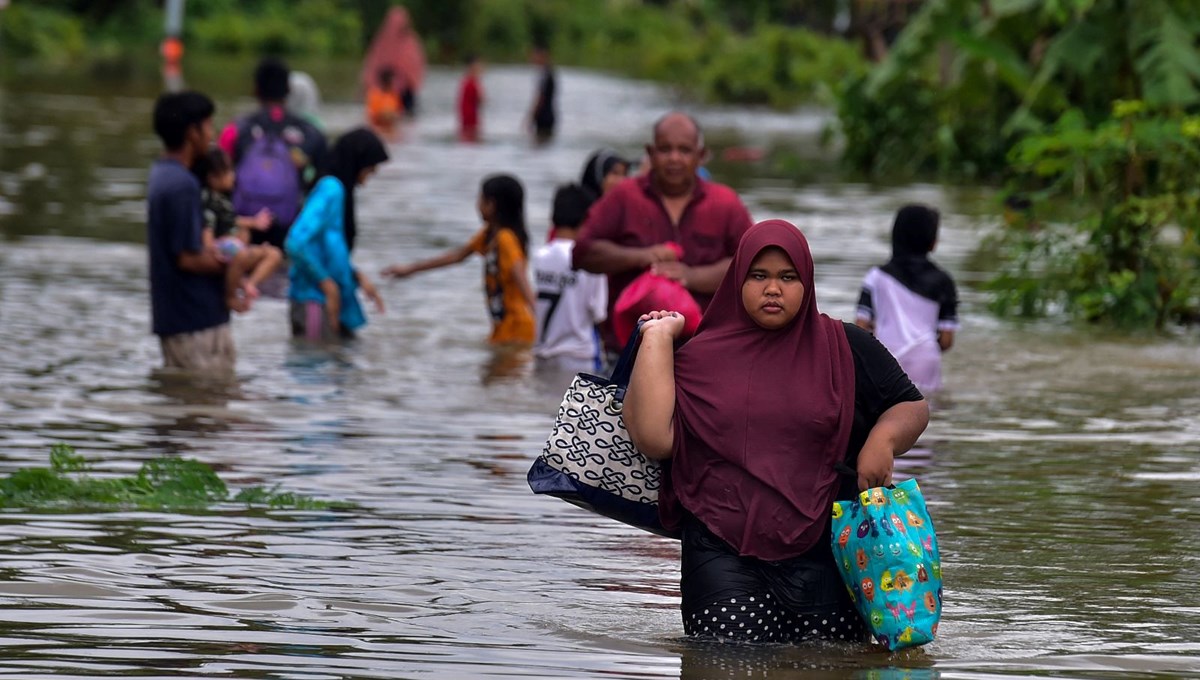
632	214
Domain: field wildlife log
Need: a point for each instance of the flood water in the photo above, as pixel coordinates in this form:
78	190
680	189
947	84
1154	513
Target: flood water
1061	463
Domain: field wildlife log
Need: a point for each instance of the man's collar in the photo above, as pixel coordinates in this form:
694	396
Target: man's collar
698	189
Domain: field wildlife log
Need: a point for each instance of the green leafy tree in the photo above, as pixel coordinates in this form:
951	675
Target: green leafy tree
966	80
1131	257
1082	104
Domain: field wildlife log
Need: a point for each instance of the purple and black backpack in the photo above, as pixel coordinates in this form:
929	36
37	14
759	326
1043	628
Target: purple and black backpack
267	176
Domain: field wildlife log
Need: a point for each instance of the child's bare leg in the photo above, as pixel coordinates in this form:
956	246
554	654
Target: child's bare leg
266	260
235	271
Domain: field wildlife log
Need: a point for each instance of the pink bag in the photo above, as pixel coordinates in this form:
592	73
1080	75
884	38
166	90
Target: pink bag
650	292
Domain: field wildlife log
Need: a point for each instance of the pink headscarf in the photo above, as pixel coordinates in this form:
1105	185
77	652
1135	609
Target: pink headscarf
761	416
395	44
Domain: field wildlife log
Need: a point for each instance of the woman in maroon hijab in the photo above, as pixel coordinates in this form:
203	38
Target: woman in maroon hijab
396	46
757	413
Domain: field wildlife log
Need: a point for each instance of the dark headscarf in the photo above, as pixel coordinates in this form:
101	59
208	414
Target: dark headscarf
354	151
913	235
597	167
761	416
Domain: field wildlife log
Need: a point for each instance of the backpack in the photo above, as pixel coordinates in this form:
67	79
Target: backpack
267	177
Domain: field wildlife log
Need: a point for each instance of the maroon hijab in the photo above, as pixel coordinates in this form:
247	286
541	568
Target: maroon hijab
396	44
761	416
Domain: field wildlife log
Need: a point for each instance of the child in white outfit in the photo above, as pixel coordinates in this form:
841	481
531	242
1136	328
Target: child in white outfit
910	303
569	302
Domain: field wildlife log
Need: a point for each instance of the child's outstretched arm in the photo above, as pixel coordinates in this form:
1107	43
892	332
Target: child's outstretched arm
369	290
452	256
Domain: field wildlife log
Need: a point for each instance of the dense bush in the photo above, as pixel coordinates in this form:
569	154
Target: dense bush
60	30
1080	104
29	31
780	66
692	44
687	44
310	27
1129	252
965	80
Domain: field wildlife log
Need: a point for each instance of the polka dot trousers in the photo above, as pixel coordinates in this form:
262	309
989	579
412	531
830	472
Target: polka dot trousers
760	618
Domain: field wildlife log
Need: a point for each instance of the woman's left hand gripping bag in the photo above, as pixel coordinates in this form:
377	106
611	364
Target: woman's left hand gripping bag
888	556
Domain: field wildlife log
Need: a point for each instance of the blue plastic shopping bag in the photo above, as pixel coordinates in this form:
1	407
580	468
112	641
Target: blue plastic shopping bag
888	556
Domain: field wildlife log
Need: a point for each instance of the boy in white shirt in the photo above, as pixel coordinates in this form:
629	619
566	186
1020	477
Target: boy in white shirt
569	302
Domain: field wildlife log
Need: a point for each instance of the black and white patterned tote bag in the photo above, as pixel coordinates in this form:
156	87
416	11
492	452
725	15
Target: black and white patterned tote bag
589	459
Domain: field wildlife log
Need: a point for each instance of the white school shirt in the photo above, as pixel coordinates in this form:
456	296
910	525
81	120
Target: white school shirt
569	305
907	324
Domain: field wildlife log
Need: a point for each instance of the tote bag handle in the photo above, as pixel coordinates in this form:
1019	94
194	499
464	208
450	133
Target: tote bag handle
623	370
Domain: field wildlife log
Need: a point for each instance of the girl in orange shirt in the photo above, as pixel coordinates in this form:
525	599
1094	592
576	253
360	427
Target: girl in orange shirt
383	101
504	243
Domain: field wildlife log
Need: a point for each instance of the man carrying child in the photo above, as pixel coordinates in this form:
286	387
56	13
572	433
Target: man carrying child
187	281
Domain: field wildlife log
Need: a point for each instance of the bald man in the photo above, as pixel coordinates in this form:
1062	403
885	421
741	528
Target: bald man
624	233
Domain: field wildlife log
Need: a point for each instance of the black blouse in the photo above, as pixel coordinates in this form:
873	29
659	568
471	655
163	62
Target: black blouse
879	384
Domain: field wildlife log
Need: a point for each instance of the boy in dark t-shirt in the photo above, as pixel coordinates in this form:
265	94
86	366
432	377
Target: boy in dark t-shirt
187	289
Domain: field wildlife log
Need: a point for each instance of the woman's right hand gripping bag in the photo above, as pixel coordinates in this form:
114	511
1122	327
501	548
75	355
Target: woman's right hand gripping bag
887	553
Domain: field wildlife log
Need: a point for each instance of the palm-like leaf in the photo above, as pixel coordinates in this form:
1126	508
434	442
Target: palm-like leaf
1163	46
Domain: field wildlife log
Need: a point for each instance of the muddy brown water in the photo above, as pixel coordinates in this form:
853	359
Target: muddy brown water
1061	463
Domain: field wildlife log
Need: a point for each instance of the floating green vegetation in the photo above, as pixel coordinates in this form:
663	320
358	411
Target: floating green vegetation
171	483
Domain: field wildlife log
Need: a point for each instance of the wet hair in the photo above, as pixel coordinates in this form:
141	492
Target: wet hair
662	119
212	164
571	203
387	76
508	196
915	230
176	112
471	58
271	80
